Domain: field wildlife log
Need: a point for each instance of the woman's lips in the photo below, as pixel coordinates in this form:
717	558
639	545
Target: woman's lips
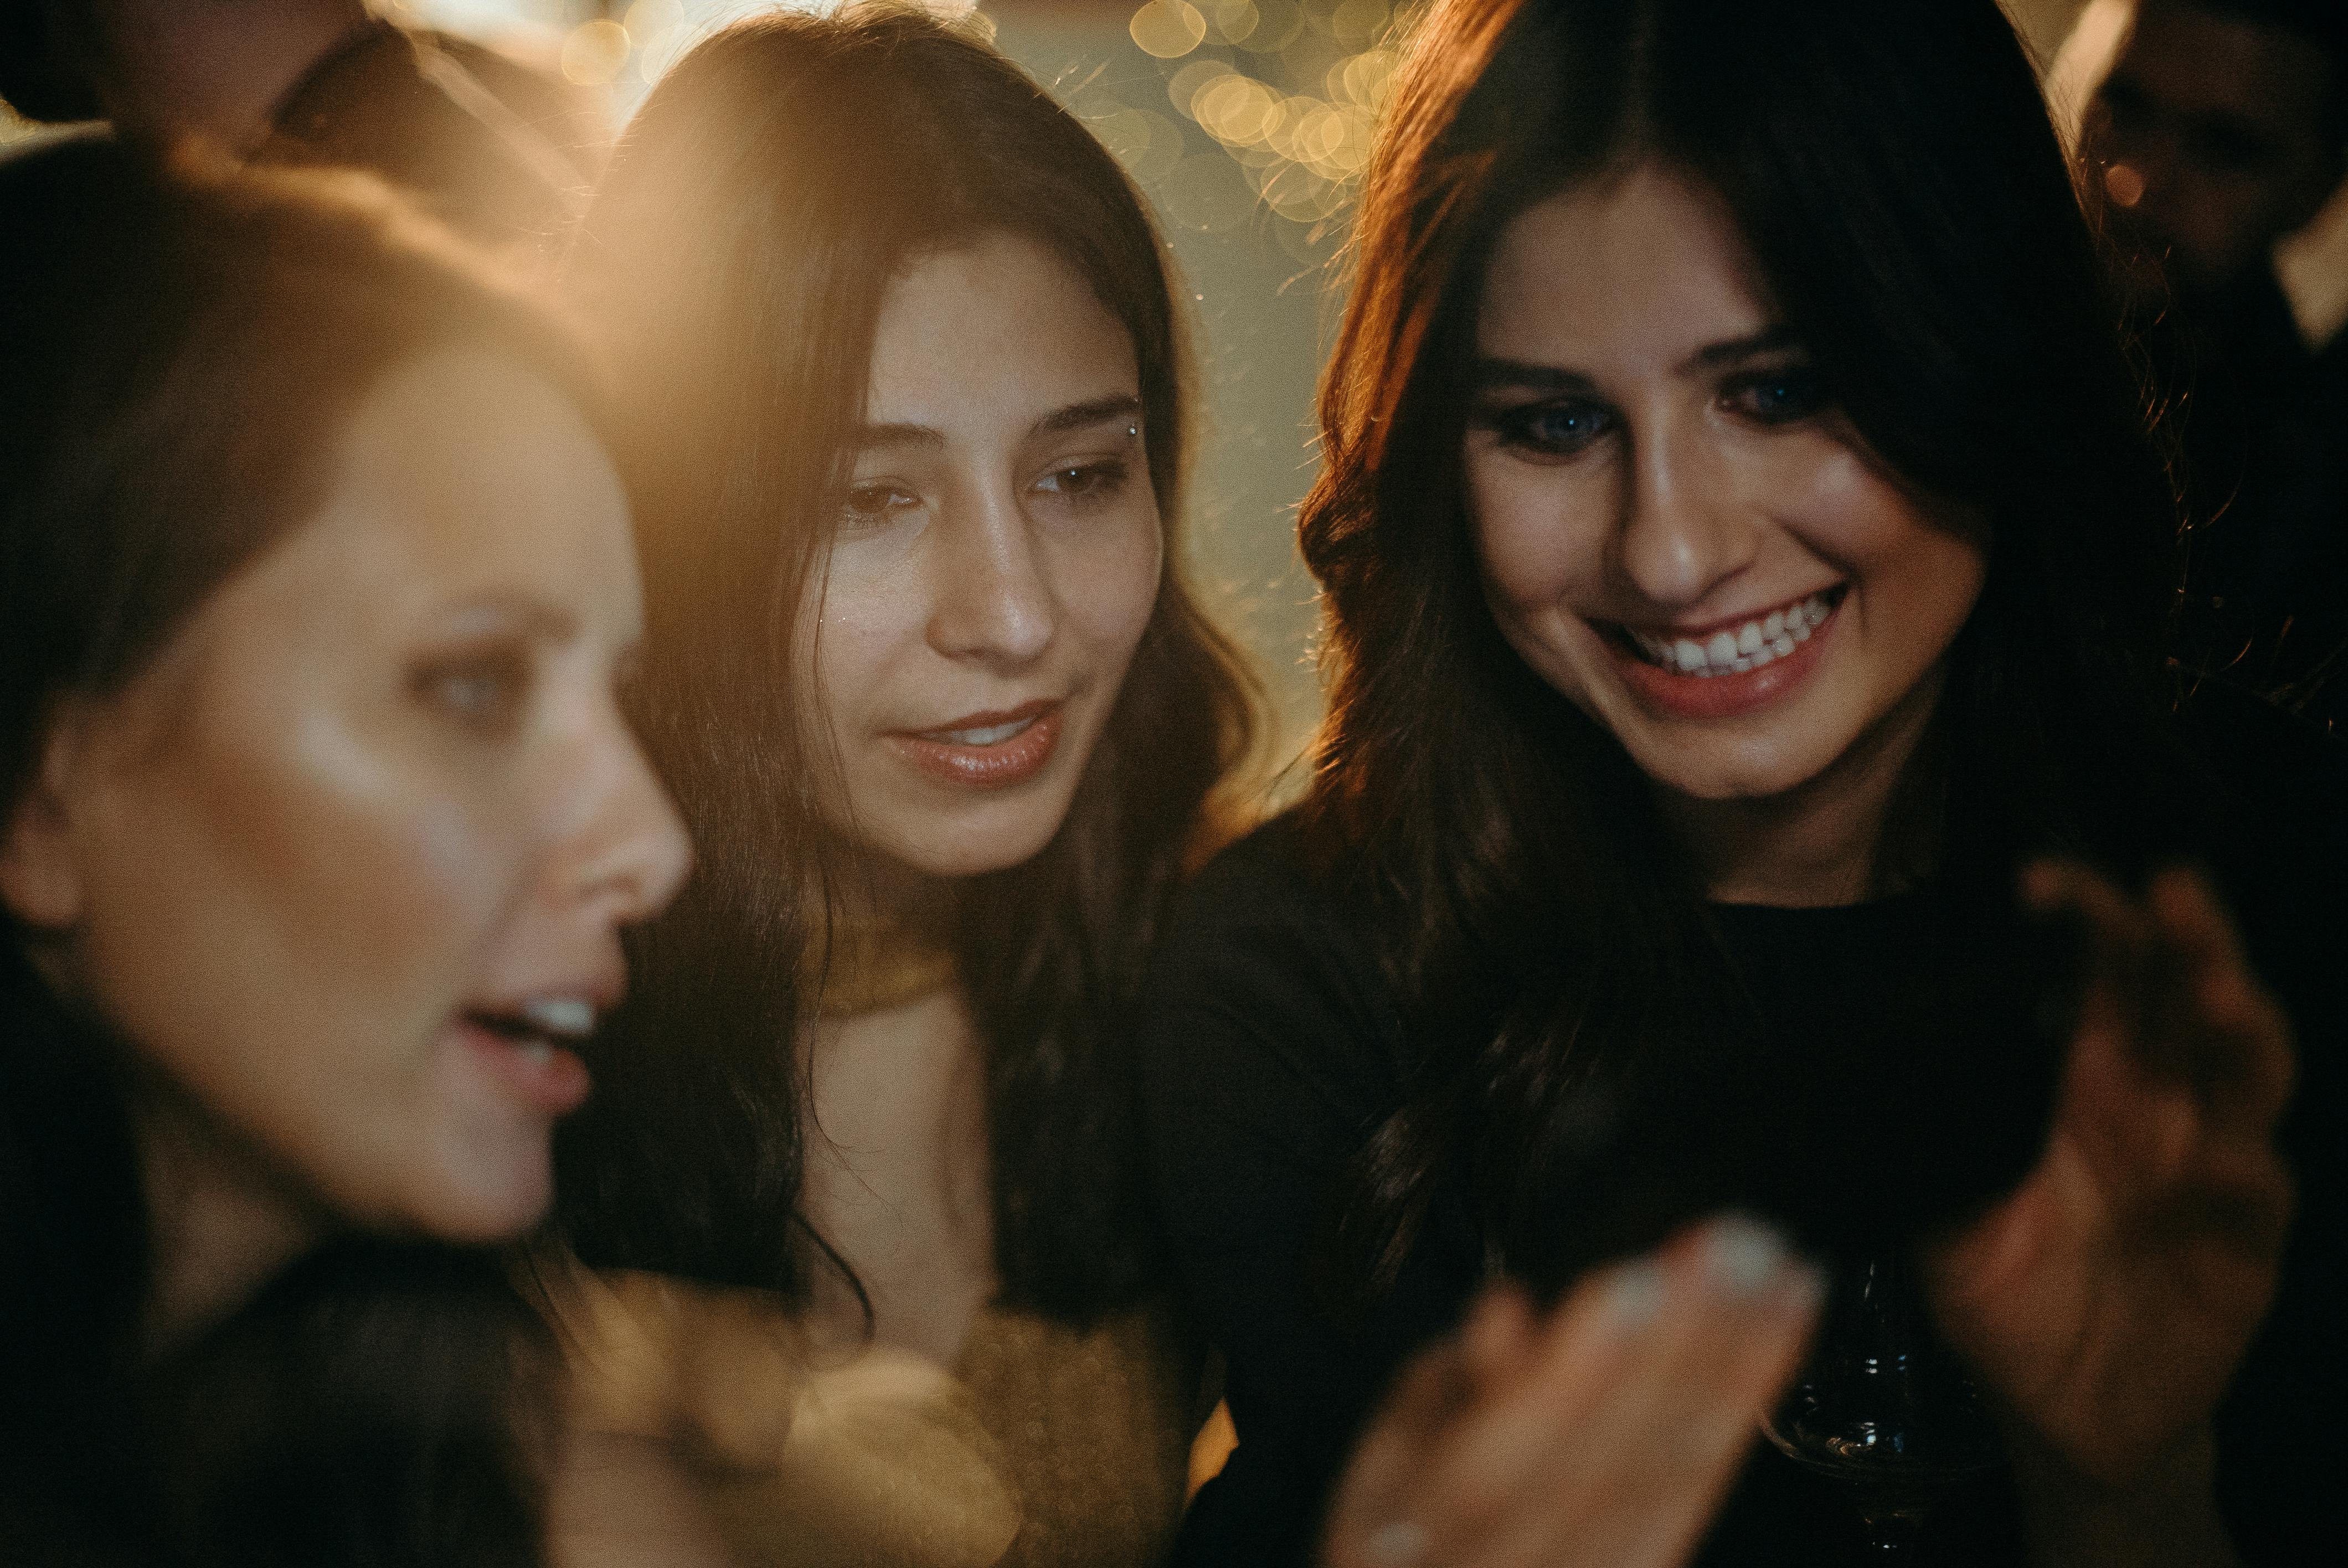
986	751
1718	693
542	1075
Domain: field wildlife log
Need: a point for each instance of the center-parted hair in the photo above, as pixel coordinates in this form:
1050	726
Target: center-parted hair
1891	166
738	255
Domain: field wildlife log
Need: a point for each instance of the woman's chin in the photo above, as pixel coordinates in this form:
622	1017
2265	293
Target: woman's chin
1719	768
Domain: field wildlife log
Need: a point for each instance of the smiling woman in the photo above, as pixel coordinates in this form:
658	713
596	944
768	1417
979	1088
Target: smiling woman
1745	557
905	384
321	825
1678	535
995	562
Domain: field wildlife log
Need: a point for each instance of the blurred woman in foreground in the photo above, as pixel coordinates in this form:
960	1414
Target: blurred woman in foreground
906	413
1745	557
321	825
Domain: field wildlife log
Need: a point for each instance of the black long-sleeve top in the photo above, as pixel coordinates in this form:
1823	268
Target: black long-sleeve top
1893	1085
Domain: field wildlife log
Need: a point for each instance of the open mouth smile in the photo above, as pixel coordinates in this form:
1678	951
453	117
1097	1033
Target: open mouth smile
1739	648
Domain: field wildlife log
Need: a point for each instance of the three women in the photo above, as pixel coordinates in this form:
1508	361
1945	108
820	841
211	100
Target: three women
1743	555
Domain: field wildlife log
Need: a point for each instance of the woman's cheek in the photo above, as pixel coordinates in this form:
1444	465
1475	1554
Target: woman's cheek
1527	542
1112	584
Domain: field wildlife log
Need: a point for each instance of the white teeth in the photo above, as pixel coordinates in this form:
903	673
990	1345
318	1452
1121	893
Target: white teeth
568	1017
1749	647
992	736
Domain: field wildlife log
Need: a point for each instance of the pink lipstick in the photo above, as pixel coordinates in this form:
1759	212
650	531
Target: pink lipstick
986	751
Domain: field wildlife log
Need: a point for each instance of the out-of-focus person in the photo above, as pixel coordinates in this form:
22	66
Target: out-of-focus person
2219	131
321	822
502	152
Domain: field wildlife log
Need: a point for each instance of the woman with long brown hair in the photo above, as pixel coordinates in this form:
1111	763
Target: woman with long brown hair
907	415
321	819
1745	557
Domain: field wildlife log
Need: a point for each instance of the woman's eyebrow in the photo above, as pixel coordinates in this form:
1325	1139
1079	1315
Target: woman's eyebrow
1773	339
871	436
1094	410
1491	374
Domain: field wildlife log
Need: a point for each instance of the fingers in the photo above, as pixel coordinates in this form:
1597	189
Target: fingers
1628	1411
1429	1398
2171	1004
2245	1067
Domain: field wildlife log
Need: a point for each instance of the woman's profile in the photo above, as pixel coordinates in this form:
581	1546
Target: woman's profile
321	823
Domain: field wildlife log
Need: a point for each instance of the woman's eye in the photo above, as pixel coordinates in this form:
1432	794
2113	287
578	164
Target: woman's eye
1551	429
1780	397
1084	481
482	691
874	505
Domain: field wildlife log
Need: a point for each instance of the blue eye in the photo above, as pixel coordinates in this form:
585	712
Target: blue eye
1780	397
1561	429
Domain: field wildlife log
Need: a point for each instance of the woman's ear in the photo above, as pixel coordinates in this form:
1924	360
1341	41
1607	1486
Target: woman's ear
40	876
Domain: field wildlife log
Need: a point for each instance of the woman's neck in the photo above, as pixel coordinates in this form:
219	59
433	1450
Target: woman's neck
223	1223
896	1175
1831	840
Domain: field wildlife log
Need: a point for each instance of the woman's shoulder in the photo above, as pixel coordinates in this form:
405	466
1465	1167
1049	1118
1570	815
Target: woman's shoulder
1266	985
1266	925
1270	882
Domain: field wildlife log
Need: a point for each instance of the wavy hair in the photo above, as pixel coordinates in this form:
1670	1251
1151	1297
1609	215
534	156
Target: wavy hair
737	254
1891	168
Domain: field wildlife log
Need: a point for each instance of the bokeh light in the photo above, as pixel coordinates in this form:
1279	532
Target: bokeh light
594	52
1168	28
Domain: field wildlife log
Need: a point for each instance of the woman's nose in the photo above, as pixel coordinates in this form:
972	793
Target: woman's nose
995	601
1685	529
633	853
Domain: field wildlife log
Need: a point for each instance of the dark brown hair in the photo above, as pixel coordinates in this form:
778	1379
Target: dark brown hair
179	348
1892	168
754	215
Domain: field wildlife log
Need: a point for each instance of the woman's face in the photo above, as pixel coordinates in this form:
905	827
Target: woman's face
348	861
993	564
1675	528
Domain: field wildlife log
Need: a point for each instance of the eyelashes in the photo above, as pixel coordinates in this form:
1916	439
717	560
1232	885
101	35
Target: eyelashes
1554	430
1100	479
1559	429
1077	486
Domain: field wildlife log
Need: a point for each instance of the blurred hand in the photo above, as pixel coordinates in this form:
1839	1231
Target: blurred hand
2109	1299
1603	1434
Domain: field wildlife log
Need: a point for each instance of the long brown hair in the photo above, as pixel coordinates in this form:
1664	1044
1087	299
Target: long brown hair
738	251
180	348
1893	170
